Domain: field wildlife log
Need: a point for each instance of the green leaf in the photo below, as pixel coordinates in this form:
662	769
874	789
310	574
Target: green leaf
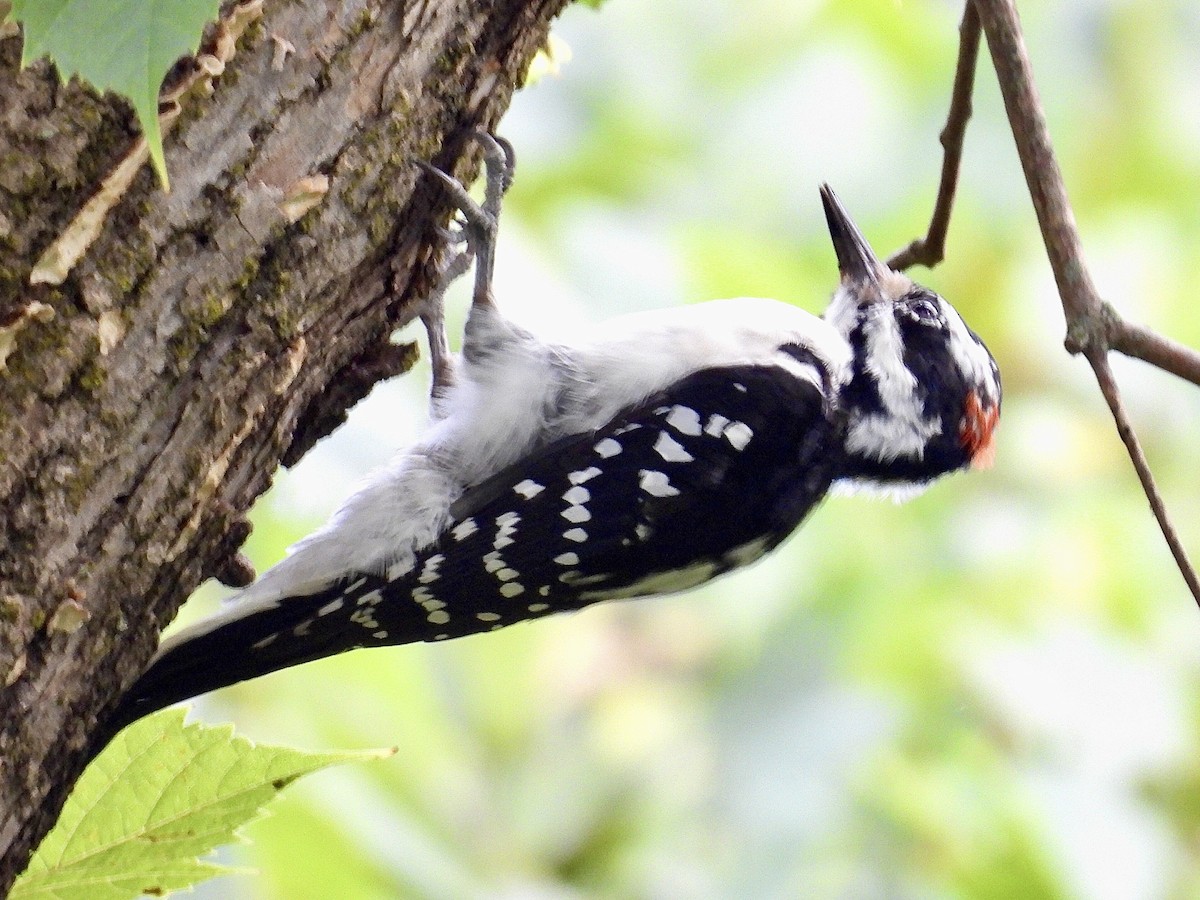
125	46
160	795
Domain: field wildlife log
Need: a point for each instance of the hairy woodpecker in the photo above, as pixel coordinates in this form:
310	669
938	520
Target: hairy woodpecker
665	450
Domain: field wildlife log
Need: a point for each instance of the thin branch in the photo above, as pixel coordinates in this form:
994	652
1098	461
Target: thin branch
1093	327
1152	347
1081	301
1108	387
931	249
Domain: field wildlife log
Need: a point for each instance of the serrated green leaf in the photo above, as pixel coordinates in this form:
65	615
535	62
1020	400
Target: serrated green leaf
125	46
160	795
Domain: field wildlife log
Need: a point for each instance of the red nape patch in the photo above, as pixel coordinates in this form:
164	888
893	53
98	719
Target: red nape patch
977	432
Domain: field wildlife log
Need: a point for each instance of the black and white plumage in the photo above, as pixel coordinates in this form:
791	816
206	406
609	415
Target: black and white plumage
667	449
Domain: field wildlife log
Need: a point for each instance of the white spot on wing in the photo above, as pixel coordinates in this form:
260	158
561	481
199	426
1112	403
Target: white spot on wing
685	420
576	514
507	574
656	484
438	617
670	449
583	475
607	447
512	589
487	617
464	529
738	434
715	426
506	527
570	558
325	610
421	595
577	494
528	488
578	535
265	642
538	607
429	572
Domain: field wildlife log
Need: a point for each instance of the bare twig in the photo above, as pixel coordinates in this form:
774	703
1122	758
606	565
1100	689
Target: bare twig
931	249
1093	327
1108	387
1144	344
1081	301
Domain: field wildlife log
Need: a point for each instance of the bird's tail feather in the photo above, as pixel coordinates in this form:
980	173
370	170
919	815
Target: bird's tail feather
242	644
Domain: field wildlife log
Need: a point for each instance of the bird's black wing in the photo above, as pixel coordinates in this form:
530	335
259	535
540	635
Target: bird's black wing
699	479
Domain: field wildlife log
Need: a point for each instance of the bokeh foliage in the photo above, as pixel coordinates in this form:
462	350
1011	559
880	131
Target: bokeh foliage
988	692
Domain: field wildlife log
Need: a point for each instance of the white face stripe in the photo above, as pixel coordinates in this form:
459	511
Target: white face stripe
896	384
902	428
971	357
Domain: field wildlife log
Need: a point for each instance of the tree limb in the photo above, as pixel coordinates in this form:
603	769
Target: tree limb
1093	326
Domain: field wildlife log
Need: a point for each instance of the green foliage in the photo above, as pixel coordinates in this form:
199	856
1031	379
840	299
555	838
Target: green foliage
159	796
125	46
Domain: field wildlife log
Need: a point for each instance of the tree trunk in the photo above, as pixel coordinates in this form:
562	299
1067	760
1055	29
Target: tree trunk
206	334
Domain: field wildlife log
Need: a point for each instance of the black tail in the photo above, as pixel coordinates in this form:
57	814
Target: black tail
237	646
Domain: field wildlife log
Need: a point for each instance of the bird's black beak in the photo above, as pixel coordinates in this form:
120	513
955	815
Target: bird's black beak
856	260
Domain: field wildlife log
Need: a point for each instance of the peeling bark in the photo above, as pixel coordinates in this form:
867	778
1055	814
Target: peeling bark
205	334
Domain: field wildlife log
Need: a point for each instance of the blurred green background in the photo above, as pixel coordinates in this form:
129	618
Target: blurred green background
992	691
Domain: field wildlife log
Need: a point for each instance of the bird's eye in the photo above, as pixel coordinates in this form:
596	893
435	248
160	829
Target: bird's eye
926	311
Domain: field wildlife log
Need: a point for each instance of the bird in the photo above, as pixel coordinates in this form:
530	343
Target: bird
659	451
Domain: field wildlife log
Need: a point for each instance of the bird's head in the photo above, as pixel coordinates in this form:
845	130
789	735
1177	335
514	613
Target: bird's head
924	393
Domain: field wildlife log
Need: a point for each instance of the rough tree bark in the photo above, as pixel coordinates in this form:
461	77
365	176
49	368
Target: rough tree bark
206	334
